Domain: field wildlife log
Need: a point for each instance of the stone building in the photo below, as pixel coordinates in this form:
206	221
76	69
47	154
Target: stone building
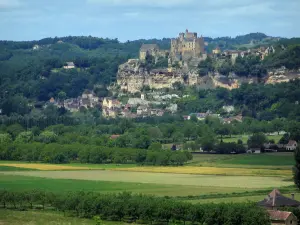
187	46
148	49
282	217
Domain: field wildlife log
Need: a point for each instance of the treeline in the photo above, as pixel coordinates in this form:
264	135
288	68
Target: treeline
136	208
58	154
259	101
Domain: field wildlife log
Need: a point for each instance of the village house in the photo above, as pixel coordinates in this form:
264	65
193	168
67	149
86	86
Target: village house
142	110
36	47
109	113
282	217
216	51
69	65
238	118
275	200
291	146
111	103
157	112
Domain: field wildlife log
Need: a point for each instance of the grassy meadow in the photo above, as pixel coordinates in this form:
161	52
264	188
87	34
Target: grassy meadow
245	138
9	217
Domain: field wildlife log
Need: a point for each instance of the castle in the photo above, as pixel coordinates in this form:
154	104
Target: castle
187	46
183	48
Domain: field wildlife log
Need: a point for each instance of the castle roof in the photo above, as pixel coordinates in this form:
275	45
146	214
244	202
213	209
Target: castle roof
146	47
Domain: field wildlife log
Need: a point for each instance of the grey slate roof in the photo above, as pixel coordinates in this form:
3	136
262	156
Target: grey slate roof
276	199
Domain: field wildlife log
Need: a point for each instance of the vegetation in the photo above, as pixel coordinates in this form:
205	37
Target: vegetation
57	154
296	168
28	183
34	217
136	208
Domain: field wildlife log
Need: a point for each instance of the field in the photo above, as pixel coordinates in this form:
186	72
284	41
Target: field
208	177
245	138
8	217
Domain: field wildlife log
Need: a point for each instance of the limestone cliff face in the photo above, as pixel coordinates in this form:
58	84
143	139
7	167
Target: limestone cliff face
132	77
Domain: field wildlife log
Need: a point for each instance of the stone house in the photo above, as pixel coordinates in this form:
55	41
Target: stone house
148	50
216	51
109	113
111	103
282	217
69	65
291	146
142	110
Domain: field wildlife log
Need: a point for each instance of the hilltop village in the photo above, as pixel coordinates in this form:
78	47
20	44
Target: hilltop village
159	69
146	86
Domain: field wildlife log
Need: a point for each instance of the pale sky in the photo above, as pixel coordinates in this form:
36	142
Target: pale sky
136	19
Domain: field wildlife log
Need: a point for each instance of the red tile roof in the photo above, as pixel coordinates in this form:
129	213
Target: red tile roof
115	136
292	143
278	215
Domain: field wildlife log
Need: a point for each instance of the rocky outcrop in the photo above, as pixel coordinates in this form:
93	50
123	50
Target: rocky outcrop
132	77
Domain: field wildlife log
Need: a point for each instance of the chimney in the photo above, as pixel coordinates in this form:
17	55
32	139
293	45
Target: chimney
293	196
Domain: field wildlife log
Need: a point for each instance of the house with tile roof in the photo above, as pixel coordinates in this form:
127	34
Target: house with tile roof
69	65
282	217
292	145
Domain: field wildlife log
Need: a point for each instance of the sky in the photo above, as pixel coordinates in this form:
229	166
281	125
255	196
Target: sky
137	19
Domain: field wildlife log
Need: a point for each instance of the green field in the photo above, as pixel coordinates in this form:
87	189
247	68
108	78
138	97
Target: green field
206	176
12	168
278	160
18	183
9	217
161	178
245	138
252	198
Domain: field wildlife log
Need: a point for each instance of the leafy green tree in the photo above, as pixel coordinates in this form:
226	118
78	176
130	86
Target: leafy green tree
296	168
47	137
257	140
5	139
24	137
14	130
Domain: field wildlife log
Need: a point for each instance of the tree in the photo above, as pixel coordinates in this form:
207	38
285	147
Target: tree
47	137
155	146
5	139
24	137
296	169
285	139
155	133
14	130
62	96
207	142
257	140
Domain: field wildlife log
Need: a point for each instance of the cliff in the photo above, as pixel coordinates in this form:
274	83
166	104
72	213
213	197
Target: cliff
133	76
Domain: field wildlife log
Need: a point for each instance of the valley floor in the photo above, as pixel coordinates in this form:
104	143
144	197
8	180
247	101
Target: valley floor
208	178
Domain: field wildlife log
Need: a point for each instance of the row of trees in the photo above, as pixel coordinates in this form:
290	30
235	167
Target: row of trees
137	208
56	153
